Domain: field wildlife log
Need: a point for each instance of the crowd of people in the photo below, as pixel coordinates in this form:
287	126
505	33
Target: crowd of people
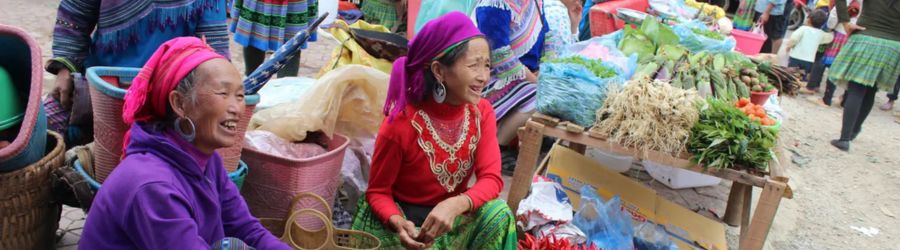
453	107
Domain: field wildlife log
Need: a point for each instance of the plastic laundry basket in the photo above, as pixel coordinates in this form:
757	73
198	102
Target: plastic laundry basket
274	180
21	58
748	43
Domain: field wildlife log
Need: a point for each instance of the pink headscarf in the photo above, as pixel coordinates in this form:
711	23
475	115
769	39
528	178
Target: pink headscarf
407	80
148	96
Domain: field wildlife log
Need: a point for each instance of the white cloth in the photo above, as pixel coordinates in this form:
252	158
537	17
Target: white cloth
806	41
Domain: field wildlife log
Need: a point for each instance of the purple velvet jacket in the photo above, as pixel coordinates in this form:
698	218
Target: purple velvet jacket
160	198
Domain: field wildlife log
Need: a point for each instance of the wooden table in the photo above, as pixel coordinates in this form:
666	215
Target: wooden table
753	230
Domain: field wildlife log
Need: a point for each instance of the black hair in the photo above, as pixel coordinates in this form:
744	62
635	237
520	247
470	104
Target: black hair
818	18
447	59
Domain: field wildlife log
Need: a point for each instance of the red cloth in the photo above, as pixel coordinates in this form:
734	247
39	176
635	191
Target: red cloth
401	170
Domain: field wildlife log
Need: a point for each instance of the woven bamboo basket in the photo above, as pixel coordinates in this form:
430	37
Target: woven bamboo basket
273	180
324	236
28	216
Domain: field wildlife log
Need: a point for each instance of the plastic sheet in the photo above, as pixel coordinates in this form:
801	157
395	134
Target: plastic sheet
572	93
604	223
696	42
283	90
604	48
347	100
268	142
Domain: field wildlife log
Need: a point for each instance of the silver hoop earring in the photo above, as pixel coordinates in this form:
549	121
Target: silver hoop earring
188	137
440	92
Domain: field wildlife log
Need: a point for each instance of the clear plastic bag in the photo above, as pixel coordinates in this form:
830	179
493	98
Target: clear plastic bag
650	236
270	143
605	223
696	42
604	48
571	92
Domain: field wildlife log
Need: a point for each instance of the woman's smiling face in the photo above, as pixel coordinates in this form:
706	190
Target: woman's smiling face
216	106
467	76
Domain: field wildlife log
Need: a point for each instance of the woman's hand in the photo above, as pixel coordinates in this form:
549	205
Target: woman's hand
407	232
852	27
64	88
441	218
531	77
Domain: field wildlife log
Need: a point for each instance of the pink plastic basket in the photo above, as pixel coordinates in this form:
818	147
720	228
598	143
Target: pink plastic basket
273	181
748	43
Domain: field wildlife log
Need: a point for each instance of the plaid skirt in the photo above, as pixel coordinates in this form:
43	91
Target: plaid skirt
868	61
380	12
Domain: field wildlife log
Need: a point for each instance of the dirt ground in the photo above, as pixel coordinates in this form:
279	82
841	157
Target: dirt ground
841	200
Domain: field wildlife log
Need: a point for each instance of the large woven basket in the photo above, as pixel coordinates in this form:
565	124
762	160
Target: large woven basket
107	99
274	180
21	58
28	216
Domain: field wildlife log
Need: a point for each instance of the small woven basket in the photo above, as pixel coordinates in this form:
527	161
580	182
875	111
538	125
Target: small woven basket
325	236
28	215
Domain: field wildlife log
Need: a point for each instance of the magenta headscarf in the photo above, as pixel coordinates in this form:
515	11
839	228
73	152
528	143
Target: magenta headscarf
148	95
407	80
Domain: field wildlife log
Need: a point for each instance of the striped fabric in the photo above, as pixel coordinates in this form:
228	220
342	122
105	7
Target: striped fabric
491	227
868	61
832	50
267	24
129	31
518	96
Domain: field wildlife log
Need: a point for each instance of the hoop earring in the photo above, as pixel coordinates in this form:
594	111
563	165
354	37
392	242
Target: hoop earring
440	92
188	137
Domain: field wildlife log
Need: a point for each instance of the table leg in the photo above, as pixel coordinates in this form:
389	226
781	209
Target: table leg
769	200
733	209
529	150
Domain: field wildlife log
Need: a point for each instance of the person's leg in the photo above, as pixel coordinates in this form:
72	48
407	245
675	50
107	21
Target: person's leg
829	92
867	103
253	57
815	75
892	97
853	107
292	68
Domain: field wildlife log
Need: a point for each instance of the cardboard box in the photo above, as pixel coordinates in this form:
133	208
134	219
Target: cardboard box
688	229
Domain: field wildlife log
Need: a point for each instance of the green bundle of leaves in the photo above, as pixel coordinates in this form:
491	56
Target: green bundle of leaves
595	66
726	138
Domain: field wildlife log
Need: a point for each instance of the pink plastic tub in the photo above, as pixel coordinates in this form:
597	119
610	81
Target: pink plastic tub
748	43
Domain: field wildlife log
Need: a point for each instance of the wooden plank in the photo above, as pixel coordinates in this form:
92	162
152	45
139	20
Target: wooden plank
769	200
747	197
733	208
529	150
545	119
578	147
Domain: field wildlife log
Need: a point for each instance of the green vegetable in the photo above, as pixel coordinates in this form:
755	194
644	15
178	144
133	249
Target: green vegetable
660	34
726	138
595	66
646	71
708	33
743	90
635	41
720	87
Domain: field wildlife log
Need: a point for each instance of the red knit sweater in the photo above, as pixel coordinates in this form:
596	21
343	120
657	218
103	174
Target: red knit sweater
403	171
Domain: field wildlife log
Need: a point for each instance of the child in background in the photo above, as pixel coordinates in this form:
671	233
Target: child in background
840	38
805	41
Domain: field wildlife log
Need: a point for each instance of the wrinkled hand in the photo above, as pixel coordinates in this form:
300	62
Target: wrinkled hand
407	232
64	88
852	27
441	218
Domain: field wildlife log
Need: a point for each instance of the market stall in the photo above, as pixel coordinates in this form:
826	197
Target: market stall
754	226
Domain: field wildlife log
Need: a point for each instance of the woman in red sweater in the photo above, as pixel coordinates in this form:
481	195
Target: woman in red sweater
437	134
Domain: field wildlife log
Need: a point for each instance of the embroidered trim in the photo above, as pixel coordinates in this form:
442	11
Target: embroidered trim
440	170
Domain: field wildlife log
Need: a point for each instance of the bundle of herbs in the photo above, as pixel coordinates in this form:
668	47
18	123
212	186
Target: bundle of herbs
724	137
648	115
595	66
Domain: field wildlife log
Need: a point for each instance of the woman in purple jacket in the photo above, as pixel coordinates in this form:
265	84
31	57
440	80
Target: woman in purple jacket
170	191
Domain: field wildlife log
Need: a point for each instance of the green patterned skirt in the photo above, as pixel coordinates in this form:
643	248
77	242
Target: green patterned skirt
868	61
380	12
491	227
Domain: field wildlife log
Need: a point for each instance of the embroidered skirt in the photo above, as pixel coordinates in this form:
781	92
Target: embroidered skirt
517	96
380	12
868	61
832	50
491	227
267	24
